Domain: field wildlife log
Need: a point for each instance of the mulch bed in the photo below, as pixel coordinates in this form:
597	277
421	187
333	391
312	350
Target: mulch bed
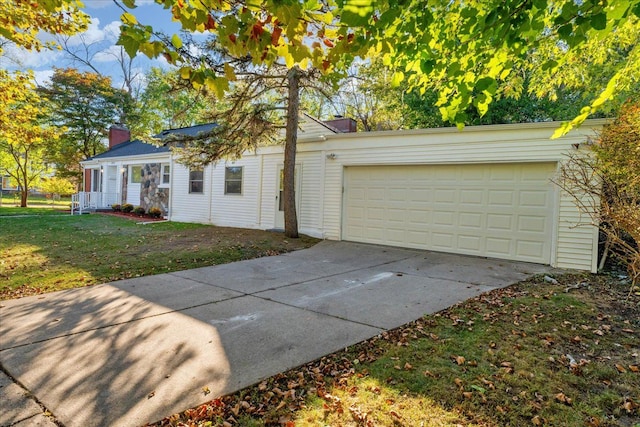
134	216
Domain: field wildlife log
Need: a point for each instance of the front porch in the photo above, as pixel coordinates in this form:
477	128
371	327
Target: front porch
91	201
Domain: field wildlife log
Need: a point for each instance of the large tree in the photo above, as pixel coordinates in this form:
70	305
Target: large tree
468	52
86	105
22	21
25	138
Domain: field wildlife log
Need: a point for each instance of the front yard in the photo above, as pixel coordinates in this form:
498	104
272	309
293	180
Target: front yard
49	252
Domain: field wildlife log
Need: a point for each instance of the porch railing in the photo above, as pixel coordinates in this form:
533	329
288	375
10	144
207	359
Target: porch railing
88	201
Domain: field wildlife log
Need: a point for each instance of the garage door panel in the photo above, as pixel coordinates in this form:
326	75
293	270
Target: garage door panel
497	210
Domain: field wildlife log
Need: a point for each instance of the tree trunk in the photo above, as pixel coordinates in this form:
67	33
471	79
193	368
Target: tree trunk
23	198
291	139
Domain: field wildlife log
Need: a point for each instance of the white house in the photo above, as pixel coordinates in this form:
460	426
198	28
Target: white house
485	190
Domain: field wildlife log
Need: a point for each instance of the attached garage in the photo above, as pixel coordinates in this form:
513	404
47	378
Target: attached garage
500	210
484	191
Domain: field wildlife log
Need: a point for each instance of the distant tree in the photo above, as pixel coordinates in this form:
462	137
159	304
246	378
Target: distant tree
56	187
422	110
86	105
168	101
25	136
368	97
84	54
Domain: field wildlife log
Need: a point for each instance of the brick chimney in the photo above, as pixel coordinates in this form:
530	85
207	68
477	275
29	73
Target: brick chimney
343	124
118	134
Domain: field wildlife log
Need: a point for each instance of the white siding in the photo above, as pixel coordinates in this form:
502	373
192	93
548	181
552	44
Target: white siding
310	212
186	207
577	237
236	210
133	194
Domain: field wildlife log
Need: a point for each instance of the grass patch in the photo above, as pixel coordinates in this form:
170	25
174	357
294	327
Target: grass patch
48	253
531	354
13	200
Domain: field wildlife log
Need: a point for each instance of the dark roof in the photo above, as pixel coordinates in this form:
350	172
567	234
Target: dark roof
139	148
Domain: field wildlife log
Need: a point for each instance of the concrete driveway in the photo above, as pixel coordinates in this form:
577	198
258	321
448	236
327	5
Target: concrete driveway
134	351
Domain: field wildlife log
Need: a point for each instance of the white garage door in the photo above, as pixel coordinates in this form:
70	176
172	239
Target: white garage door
494	210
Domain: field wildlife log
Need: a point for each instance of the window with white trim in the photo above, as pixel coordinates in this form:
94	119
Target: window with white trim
166	174
233	180
135	174
196	181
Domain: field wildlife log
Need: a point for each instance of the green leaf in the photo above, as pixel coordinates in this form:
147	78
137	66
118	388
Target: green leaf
565	31
176	41
130	44
599	21
356	12
131	4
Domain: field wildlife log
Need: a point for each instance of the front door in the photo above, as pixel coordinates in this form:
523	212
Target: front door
279	220
110	195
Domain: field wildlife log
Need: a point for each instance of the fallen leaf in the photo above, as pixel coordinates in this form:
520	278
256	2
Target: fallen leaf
150	395
620	368
460	360
206	390
634	368
467	394
536	421
563	398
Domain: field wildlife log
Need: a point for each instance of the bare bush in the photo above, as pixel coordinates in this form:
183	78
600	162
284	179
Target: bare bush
604	181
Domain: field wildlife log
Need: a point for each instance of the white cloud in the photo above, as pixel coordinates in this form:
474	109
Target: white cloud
43	77
112	30
93	34
110	54
24	58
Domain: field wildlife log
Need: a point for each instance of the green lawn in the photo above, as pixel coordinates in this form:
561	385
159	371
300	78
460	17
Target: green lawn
13	200
43	253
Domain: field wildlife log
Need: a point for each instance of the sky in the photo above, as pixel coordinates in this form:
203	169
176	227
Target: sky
102	34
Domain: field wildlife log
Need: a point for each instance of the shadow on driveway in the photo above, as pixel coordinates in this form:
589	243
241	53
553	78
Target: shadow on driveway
134	351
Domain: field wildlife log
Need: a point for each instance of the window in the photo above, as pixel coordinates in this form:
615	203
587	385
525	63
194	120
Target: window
96	180
135	175
196	181
233	180
166	174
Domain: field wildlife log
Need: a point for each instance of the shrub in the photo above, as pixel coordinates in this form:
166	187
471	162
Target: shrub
605	184
116	207
155	212
127	207
139	210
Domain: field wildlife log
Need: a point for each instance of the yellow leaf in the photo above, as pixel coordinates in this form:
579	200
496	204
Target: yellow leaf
128	19
229	72
185	72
